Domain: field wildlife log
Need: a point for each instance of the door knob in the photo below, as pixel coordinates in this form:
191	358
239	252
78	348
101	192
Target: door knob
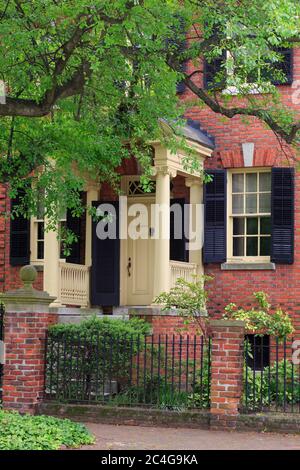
129	267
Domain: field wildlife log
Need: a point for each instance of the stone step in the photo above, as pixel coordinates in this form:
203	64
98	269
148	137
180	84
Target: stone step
76	315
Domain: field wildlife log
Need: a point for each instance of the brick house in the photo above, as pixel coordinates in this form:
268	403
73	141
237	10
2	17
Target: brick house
251	218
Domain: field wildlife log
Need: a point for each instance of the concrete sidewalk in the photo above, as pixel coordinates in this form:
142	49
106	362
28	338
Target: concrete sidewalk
112	437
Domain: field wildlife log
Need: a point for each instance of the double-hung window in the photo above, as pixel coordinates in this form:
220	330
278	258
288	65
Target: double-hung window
233	72
249	214
37	234
37	239
249	217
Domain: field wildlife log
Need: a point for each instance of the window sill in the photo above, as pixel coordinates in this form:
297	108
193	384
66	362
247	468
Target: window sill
248	266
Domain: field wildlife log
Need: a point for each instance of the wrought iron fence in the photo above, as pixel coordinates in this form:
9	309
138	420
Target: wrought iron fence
2	348
271	375
164	371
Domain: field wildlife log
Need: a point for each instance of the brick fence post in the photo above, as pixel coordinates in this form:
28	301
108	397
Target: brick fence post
26	321
227	363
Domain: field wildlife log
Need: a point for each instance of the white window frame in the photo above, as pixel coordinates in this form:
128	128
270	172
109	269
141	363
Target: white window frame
249	88
230	216
34	221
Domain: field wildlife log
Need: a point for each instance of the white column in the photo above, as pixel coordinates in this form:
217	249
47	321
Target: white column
92	194
162	231
51	265
196	221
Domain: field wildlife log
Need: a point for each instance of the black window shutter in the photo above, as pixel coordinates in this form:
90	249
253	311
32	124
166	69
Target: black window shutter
19	236
285	66
182	46
178	251
177	44
259	347
214	250
282	241
210	71
74	224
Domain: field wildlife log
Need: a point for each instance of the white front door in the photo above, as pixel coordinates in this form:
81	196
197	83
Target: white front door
140	266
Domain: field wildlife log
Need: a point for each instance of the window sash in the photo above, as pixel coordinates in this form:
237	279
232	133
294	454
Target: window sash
247	81
246	215
35	240
245	236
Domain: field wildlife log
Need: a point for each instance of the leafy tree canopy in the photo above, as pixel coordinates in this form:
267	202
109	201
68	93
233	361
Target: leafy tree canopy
85	79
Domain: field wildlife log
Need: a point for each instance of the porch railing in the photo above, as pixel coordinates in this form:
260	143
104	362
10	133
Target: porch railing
74	284
179	269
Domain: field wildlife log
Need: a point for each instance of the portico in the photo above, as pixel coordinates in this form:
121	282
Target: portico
134	271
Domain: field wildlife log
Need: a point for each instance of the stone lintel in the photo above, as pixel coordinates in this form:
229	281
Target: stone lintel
245	266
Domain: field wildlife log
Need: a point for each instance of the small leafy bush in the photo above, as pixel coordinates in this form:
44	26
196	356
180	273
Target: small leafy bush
260	319
200	398
189	299
40	432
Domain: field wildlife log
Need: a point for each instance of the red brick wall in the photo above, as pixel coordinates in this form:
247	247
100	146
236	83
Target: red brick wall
283	285
23	381
164	324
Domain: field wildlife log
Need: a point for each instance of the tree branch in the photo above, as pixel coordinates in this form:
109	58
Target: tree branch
31	108
262	114
15	106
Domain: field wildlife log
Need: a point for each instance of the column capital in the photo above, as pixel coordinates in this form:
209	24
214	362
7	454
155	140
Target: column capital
193	181
92	186
164	170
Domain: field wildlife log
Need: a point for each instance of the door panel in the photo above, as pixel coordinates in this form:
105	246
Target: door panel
105	271
140	268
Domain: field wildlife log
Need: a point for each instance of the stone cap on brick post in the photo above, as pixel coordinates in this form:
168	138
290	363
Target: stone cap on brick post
227	362
27	298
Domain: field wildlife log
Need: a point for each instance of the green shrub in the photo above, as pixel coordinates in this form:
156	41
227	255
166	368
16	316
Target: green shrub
154	393
95	328
83	358
40	432
271	387
200	398
164	390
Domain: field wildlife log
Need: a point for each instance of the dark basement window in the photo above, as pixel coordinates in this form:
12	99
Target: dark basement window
259	349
